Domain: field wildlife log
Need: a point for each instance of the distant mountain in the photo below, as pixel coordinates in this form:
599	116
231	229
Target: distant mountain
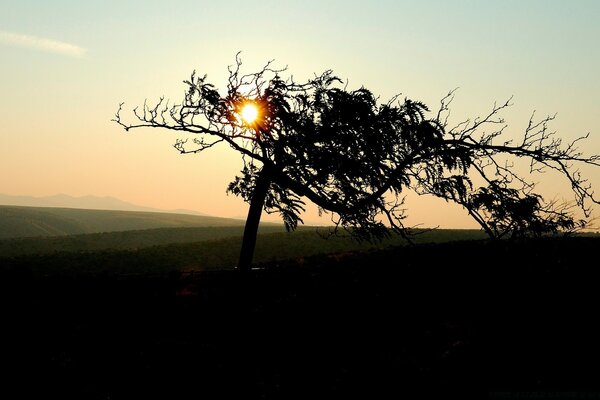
83	202
20	221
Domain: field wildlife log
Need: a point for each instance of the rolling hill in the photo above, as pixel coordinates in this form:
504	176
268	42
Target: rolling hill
18	222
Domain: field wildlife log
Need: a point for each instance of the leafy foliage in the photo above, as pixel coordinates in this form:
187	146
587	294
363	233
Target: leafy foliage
506	211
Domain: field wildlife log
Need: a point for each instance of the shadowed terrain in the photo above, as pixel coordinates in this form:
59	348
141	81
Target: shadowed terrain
472	316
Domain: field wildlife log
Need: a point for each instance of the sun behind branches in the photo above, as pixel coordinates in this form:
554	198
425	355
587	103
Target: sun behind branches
249	113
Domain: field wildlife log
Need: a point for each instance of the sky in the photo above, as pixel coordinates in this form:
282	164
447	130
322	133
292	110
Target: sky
66	65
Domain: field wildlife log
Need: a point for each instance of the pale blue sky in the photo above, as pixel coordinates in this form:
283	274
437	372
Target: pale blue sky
57	102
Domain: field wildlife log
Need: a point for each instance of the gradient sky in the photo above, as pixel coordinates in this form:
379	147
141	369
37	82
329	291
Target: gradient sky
66	65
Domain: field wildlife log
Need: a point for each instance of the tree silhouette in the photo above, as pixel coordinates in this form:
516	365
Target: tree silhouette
355	157
506	205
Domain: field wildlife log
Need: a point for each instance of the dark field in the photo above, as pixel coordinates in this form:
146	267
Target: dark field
471	317
198	249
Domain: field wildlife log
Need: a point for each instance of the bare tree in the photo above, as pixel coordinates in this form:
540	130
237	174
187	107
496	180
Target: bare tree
346	152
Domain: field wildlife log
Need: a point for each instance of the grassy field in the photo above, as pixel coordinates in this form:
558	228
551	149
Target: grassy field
164	250
125	240
45	221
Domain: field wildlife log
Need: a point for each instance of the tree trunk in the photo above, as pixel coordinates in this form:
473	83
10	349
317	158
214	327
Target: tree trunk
252	221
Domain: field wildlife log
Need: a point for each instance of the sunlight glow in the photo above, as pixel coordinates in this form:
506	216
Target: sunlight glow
249	113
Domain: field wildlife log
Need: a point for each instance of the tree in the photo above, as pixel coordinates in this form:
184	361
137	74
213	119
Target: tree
355	157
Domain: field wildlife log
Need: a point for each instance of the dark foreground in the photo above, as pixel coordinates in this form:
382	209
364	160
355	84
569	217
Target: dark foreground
472	317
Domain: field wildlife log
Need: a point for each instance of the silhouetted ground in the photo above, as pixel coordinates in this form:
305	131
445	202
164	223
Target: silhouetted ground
473	317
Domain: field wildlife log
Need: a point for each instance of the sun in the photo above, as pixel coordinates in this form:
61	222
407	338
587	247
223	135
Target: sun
249	113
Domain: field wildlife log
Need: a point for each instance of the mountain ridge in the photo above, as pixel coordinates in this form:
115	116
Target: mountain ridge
88	202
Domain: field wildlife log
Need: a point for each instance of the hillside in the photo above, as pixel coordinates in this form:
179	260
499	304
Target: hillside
46	221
